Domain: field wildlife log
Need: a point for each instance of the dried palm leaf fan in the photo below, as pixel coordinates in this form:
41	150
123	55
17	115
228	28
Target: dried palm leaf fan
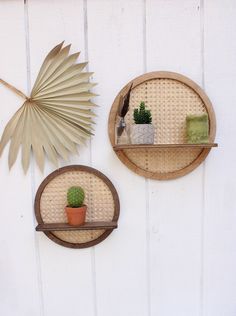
57	116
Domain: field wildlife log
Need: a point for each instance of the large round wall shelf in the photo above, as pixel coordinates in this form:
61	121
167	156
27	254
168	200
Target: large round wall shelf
101	199
170	97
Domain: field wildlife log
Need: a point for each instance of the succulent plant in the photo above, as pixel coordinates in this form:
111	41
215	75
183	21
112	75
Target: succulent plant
141	115
75	197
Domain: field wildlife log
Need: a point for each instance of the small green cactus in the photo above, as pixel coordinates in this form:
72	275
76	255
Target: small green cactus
75	197
141	115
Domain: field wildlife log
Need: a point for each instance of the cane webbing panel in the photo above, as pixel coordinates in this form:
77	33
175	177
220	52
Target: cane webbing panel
99	198
170	101
164	160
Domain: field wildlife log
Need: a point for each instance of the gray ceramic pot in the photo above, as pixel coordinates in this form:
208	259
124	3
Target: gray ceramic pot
142	134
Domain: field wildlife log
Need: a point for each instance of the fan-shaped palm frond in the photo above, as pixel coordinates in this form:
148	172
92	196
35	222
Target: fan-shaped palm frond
58	114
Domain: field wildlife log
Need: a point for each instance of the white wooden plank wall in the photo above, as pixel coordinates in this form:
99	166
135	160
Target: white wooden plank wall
174	253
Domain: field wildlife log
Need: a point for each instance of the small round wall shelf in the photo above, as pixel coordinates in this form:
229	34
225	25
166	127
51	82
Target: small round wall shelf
101	199
170	97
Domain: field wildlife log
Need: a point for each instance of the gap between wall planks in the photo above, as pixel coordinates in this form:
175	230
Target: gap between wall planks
92	250
202	229
32	164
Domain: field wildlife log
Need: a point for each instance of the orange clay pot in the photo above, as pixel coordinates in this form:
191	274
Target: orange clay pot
76	215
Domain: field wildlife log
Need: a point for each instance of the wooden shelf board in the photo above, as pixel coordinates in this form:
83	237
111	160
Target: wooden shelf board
86	226
161	146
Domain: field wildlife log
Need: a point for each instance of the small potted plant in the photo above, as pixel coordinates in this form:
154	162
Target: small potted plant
75	209
142	132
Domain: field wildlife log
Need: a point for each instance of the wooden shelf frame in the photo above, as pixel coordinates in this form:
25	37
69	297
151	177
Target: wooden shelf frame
163	153
162	146
66	227
58	231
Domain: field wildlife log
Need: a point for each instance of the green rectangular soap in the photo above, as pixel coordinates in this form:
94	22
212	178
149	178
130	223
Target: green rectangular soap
197	129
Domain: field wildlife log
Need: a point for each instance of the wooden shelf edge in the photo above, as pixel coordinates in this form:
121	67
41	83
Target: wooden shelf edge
162	146
65	226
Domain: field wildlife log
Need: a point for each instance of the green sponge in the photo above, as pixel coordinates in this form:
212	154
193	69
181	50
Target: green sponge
197	129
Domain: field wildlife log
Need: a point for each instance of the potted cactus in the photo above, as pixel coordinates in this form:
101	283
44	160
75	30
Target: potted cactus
75	209
142	132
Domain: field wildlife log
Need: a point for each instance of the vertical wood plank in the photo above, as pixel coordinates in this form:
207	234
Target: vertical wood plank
66	273
220	233
115	46
19	286
175	206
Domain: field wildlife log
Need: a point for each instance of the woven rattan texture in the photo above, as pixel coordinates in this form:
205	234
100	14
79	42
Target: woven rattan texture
99	201
169	101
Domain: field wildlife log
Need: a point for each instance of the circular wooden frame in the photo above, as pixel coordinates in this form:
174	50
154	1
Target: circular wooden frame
207	104
87	169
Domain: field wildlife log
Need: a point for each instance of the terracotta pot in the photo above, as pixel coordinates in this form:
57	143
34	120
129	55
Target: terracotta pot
142	134
76	215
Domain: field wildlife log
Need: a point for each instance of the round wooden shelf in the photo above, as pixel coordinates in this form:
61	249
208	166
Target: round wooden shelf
100	197
170	97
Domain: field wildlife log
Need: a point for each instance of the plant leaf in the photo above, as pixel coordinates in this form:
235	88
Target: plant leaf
16	138
55	63
9	129
57	117
82	77
45	65
82	87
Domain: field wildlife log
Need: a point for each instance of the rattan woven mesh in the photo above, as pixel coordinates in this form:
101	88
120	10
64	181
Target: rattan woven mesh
169	101
99	201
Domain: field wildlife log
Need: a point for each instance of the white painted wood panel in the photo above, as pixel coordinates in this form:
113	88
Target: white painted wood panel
67	275
220	219
175	206
19	265
115	46
174	252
